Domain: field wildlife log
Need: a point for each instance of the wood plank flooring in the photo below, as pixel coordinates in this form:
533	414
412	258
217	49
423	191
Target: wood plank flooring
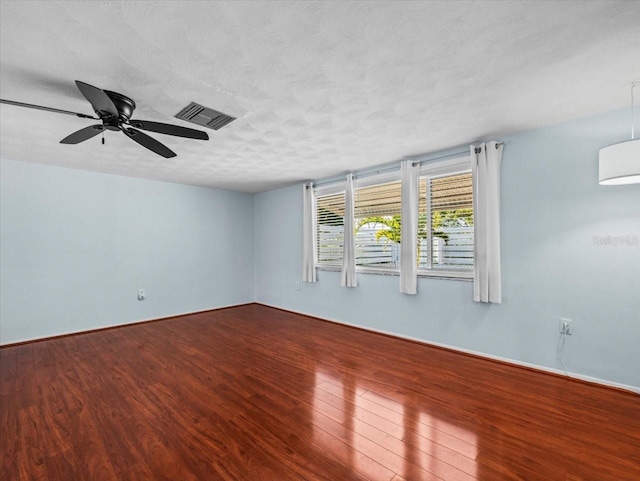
254	393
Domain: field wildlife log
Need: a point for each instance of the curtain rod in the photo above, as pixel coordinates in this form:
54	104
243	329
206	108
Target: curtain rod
396	167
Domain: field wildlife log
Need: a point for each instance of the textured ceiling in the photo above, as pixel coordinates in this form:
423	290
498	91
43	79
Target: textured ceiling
319	88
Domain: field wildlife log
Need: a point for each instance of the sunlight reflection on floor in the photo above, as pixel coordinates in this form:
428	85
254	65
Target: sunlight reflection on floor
380	438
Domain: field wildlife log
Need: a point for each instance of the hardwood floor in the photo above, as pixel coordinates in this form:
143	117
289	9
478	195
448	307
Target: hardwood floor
254	393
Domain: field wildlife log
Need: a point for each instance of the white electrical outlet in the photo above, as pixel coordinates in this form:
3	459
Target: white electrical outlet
297	286
565	326
141	295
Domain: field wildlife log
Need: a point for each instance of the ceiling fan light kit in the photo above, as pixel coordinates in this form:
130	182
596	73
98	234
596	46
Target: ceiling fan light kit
620	163
115	110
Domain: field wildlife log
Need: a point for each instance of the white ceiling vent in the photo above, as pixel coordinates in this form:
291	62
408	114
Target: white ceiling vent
204	116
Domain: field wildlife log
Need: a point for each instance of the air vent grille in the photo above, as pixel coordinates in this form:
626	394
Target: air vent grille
204	116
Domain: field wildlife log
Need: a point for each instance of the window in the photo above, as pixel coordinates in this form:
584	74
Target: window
377	223
445	226
445	221
330	229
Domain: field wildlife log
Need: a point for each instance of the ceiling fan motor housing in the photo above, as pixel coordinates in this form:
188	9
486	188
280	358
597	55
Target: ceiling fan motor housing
124	104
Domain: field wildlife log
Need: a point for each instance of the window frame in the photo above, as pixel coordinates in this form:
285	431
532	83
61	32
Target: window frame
438	168
372	180
445	168
325	191
362	181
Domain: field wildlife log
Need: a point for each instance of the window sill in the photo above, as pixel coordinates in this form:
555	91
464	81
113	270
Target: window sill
440	274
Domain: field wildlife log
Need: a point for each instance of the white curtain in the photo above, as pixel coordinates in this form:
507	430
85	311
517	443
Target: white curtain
308	234
348	278
409	172
485	166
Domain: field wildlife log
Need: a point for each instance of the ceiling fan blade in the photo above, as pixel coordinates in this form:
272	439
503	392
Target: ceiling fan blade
148	142
98	99
47	109
83	134
169	129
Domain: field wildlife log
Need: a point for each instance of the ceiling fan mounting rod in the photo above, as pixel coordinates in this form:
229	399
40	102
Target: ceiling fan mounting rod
633	117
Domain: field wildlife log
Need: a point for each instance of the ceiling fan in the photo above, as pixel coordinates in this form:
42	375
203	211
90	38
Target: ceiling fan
115	110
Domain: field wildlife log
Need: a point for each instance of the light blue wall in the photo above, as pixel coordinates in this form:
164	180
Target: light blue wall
552	207
76	246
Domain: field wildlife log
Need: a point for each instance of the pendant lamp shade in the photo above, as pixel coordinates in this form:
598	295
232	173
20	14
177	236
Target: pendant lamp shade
620	163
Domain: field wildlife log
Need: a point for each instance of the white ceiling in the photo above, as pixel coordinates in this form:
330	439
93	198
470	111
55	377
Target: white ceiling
319	88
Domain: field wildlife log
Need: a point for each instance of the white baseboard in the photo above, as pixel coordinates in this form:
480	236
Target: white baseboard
582	377
129	323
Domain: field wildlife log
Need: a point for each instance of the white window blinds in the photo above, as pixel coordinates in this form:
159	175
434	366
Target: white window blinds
378	223
330	229
445	227
445	234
